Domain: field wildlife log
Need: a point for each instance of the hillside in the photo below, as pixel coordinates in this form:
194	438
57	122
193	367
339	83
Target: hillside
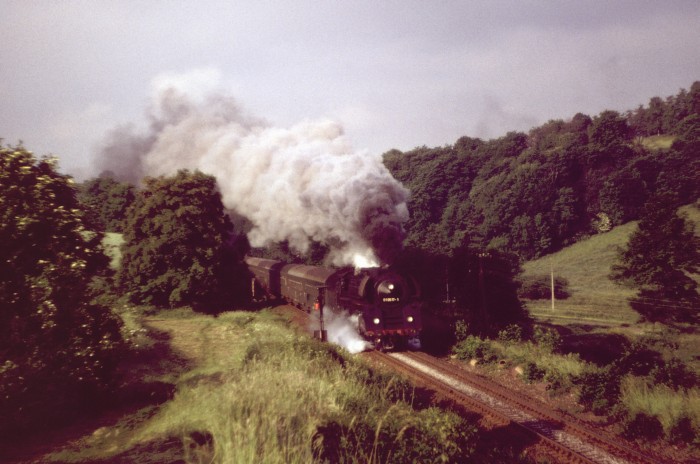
586	265
532	194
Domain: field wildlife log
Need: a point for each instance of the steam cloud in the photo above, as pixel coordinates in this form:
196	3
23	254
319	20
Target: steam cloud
342	330
300	183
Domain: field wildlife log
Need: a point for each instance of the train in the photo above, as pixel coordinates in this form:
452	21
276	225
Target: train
385	302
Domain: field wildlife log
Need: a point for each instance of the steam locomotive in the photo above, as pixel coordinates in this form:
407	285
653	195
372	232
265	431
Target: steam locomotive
385	302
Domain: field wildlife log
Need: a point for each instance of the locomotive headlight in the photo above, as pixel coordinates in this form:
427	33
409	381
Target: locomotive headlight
409	318
376	320
391	286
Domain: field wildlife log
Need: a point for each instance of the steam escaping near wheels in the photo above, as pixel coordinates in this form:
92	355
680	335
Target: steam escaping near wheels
301	183
342	329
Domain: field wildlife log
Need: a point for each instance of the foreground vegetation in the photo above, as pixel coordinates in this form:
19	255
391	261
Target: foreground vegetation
642	384
644	375
256	391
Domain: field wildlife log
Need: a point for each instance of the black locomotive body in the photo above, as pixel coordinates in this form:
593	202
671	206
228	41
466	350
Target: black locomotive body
385	302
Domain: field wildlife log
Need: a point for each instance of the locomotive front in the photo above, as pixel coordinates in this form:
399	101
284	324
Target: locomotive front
391	317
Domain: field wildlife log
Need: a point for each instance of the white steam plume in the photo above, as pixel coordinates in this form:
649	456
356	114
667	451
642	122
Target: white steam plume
342	330
299	183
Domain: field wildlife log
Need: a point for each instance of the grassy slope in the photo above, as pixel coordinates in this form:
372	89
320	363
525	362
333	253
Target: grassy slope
658	142
586	265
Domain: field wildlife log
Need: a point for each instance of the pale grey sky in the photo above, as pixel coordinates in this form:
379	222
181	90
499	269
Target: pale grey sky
395	74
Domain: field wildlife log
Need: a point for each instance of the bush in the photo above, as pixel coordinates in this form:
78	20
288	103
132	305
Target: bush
643	426
599	389
461	330
473	347
511	334
638	359
549	339
59	342
683	431
556	381
674	374
532	373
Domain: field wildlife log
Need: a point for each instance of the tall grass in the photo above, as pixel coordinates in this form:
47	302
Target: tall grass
259	392
666	404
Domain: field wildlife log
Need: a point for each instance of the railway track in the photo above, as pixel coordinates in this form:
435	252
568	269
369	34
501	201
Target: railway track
565	438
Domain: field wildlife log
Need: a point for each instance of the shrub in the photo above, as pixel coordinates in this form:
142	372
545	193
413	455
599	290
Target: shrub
58	342
643	426
473	347
674	374
461	330
638	359
599	389
532	373
683	431
539	287
513	333
549	339
556	381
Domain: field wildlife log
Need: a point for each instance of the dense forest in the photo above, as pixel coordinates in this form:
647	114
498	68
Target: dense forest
533	193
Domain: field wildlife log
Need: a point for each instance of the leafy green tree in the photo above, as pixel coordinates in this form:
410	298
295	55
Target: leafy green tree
659	261
106	201
608	128
177	248
56	341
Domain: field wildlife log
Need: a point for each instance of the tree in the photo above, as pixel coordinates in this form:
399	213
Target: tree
106	201
177	248
659	259
608	128
56	342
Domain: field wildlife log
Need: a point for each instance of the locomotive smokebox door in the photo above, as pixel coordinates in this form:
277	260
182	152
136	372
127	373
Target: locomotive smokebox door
322	333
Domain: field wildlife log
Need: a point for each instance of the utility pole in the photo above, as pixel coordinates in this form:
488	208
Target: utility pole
551	272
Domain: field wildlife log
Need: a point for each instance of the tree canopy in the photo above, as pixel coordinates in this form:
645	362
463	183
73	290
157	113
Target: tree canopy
659	260
51	328
532	194
105	201
177	244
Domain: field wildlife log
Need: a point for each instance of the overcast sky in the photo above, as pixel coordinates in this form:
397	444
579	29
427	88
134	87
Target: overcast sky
396	74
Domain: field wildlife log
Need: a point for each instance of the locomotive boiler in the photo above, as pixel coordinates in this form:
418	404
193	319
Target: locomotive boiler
386	303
